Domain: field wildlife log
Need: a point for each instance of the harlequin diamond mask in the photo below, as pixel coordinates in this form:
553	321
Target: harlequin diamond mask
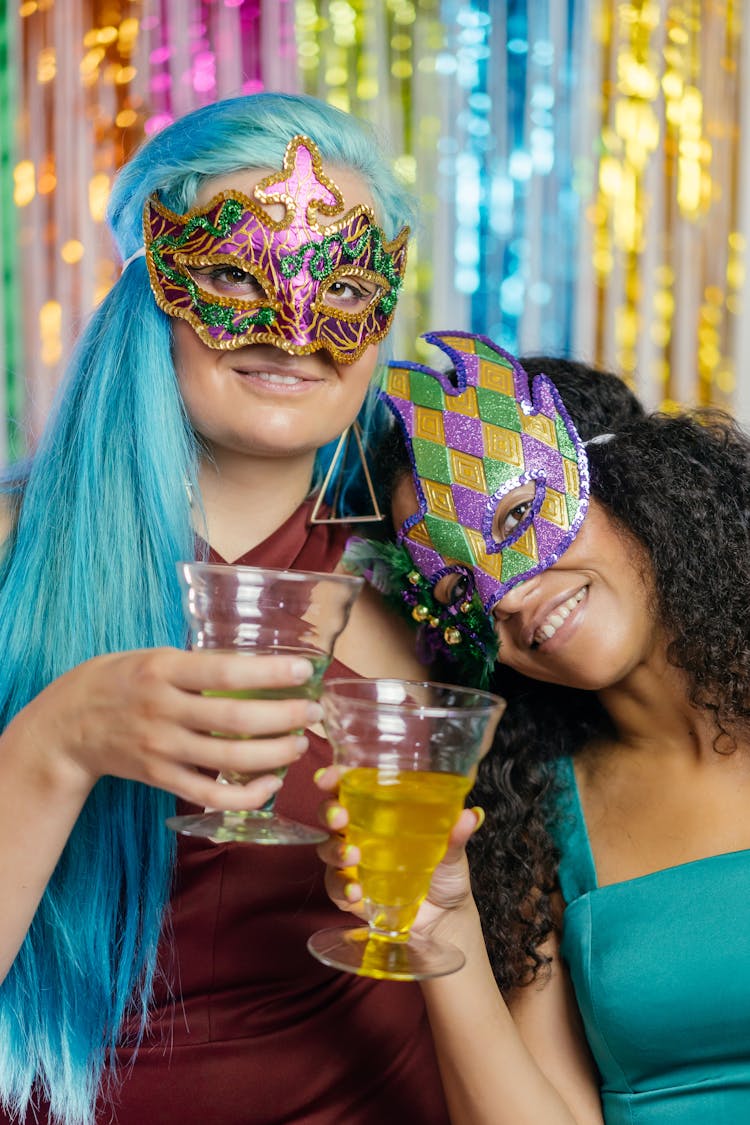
500	472
239	277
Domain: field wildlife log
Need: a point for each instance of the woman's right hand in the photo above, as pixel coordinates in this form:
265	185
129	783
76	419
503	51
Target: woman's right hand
450	889
142	716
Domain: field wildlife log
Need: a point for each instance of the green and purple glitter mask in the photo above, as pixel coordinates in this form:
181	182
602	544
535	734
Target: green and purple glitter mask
475	435
294	260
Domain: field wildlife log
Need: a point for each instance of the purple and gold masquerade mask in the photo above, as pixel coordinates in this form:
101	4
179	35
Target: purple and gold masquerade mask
288	275
476	437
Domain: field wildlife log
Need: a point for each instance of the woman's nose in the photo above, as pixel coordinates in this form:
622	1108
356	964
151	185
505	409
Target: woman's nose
514	599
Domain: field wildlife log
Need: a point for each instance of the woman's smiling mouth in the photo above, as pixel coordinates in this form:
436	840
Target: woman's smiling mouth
277	380
554	620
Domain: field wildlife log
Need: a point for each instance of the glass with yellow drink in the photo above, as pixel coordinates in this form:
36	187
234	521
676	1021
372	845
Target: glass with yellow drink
409	753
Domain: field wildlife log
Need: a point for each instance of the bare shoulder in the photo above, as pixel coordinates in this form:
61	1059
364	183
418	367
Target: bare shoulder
549	988
548	1020
378	643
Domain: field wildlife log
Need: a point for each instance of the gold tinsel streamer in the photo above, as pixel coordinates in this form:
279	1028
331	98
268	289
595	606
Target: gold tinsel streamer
666	249
79	120
658	102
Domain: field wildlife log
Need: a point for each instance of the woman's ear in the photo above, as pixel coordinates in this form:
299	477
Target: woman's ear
404	502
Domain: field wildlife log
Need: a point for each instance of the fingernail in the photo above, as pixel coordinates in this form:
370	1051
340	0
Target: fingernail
350	854
301	670
274	785
301	743
319	773
314	712
352	892
479	814
333	814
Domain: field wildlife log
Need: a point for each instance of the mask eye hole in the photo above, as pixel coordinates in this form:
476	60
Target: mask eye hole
350	293
513	511
227	279
454	588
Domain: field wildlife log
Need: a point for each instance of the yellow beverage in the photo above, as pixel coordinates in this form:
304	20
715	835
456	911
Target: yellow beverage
400	820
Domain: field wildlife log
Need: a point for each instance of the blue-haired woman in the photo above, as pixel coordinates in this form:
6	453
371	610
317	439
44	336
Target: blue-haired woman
149	978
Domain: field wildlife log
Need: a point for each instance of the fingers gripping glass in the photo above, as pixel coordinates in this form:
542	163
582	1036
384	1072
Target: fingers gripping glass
263	612
409	752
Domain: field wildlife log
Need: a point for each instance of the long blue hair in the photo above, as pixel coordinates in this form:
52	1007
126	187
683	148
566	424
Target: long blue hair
90	568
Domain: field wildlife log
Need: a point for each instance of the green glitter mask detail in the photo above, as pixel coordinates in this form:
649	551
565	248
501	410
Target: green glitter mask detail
211	312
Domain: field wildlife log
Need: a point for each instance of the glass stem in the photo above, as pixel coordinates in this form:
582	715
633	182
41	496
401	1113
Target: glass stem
266	809
268	806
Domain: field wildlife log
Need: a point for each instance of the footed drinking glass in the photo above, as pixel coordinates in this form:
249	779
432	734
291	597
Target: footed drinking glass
260	611
409	753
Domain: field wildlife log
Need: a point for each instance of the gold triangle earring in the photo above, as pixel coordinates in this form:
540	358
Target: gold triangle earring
340	455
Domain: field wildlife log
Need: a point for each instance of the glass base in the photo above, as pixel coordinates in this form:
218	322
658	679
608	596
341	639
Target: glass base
370	954
246	827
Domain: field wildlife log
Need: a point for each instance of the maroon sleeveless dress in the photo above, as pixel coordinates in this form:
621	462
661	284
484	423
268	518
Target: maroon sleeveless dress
249	1029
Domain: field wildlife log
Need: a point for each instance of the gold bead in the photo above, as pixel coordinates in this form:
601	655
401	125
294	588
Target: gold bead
420	613
452	635
465	607
434	621
413	577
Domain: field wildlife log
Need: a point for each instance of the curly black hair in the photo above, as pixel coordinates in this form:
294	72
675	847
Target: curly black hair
680	485
599	402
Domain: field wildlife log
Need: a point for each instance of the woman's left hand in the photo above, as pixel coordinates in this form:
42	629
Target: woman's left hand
449	890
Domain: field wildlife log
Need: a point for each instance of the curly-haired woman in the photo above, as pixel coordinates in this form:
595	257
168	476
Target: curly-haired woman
613	872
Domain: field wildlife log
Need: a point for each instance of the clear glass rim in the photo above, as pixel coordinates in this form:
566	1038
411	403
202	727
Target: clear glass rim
486	700
350	580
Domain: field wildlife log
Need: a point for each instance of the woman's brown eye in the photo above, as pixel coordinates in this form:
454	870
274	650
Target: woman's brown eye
226	280
512	509
514	517
351	295
460	589
452	589
346	289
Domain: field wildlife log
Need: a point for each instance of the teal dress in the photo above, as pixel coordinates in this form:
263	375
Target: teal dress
661	970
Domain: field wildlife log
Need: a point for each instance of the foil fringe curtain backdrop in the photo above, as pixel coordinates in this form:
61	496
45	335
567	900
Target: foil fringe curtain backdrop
579	165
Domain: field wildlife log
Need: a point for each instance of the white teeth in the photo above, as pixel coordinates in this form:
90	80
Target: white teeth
274	377
551	624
